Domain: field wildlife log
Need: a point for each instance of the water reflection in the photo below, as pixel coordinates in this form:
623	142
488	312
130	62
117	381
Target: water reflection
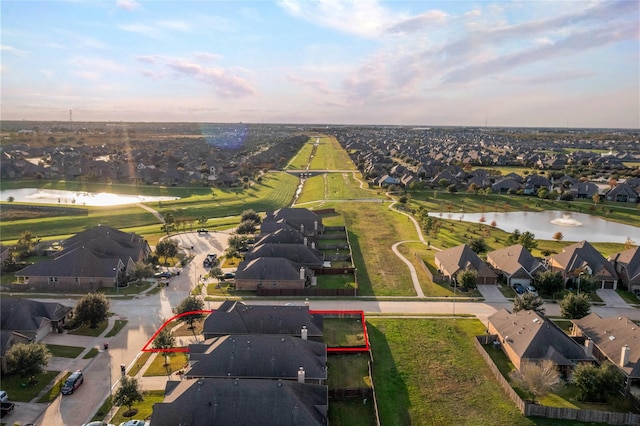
544	225
78	198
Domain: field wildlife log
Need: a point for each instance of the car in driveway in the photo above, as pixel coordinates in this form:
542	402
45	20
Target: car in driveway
531	289
519	289
72	383
4	397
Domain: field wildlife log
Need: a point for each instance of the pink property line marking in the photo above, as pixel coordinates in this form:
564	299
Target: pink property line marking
146	347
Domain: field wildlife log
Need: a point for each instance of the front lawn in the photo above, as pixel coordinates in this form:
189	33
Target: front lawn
85	330
177	361
117	326
144	408
65	351
20	391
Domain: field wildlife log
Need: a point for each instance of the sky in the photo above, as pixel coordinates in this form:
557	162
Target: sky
443	63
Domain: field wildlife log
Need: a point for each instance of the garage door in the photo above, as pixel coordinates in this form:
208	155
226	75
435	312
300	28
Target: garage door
522	281
608	284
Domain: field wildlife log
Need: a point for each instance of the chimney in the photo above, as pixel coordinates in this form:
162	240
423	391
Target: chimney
315	225
301	375
303	333
624	355
588	347
313	244
305	241
302	228
302	273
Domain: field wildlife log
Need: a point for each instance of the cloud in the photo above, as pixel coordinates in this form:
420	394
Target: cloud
422	22
128	5
226	82
4	48
319	86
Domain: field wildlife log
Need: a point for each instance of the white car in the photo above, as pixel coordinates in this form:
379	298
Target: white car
3	396
98	424
134	423
531	289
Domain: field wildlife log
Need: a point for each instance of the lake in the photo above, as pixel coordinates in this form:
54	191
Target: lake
574	226
77	198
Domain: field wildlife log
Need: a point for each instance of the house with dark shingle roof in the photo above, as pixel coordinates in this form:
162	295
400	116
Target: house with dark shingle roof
516	263
258	356
32	318
616	339
527	335
627	265
297	253
622	193
205	402
582	258
304	220
234	317
456	259
284	236
272	272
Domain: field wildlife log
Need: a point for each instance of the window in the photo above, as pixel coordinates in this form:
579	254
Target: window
53	279
77	280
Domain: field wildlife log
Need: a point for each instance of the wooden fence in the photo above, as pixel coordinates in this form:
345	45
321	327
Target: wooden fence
310	291
530	409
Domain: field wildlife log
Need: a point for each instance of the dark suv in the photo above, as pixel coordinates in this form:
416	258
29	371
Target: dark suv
72	383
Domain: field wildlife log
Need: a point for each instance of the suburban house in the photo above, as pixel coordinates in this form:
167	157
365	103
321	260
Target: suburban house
98	257
307	222
234	317
516	264
616	339
297	253
273	272
456	259
32	318
527	335
204	402
258	356
285	236
627	265
622	193
581	259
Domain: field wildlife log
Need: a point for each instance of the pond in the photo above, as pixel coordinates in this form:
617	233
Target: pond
77	198
574	226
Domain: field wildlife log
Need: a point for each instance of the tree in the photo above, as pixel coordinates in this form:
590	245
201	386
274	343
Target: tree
528	302
167	248
165	340
558	236
575	306
514	237
215	272
549	282
128	393
467	278
189	304
452	188
478	245
202	220
141	270
238	242
27	359
25	242
528	240
11	199
539	378
250	215
92	308
597	383
247	227
596	199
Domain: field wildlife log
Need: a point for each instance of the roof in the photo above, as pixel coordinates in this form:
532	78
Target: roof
513	258
80	262
268	269
241	402
237	318
106	241
461	257
299	218
298	253
25	315
579	256
258	356
531	336
630	260
282	236
610	335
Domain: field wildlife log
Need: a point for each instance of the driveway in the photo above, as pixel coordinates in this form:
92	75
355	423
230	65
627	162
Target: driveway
492	294
611	298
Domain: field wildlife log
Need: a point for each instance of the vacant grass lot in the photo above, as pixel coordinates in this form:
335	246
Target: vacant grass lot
330	156
335	186
427	372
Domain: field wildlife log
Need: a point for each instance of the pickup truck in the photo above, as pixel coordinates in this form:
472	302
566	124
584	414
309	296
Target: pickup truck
6	408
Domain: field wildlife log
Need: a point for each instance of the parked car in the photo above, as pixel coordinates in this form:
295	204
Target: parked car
6	408
98	423
164	274
531	289
134	423
72	383
203	231
4	397
519	289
